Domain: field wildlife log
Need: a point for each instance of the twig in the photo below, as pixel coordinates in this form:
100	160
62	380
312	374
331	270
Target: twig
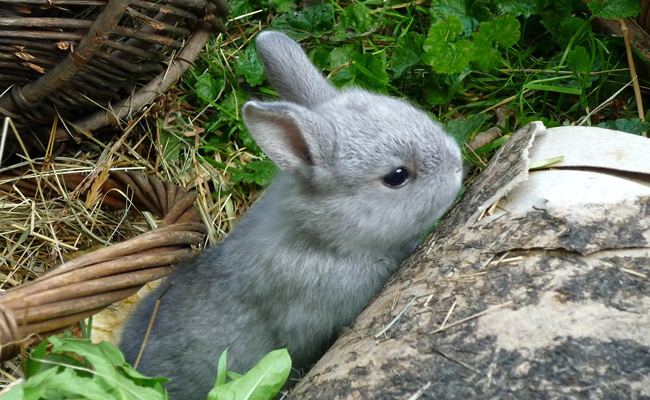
419	393
153	317
584	119
450	358
451	310
471	317
381	332
635	78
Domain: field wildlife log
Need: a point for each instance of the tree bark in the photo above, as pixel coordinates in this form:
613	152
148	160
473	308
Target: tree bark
546	297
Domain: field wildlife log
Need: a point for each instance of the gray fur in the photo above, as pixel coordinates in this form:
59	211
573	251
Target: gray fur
318	245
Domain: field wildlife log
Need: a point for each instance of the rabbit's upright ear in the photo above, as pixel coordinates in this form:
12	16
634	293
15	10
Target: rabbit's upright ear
290	71
286	132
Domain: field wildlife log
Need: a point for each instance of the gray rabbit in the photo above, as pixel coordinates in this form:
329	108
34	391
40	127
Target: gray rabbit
362	176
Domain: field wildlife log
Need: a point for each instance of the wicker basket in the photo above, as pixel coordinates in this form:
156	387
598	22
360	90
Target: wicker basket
91	62
86	285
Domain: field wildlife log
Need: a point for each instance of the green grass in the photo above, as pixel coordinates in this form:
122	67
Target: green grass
459	60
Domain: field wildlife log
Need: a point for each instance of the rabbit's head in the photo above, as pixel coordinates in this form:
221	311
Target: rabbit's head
367	171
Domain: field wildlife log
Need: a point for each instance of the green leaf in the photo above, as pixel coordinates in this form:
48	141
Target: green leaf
239	7
221	369
343	74
492	145
485	57
630	125
262	382
33	365
260	172
282	6
462	129
436	94
443	51
233	102
568	28
358	17
248	141
448	30
448	58
311	21
320	57
443	9
171	144
541	164
407	53
579	60
613	9
250	66
371	72
207	87
518	7
552	88
104	374
503	31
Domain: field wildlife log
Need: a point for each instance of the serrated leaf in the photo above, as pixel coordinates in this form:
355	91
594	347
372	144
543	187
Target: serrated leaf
503	31
518	7
358	17
250	66
462	129
260	172
444	51
579	60
448	58
630	125
613	9
407	53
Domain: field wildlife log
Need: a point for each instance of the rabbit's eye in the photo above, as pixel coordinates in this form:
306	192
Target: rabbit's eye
397	177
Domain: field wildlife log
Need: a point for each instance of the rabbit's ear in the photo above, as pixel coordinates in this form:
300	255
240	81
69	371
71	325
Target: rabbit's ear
286	132
291	72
